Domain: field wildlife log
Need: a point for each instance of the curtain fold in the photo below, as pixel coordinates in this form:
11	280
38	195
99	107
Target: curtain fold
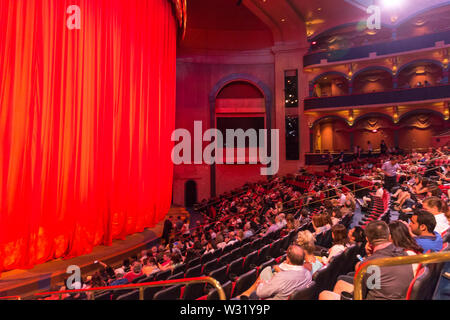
85	122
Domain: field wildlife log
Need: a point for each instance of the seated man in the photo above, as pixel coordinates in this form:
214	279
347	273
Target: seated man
422	225
378	193
291	277
394	280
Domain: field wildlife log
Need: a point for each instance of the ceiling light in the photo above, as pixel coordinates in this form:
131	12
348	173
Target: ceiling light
283	20
392	4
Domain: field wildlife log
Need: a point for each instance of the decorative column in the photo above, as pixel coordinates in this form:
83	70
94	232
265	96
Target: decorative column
395	114
445	75
350	78
311	88
446	110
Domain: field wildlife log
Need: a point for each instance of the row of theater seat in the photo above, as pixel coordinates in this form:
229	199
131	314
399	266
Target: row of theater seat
234	263
237	267
377	210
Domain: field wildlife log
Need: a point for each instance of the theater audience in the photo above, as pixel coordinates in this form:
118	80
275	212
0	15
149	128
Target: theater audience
275	208
394	280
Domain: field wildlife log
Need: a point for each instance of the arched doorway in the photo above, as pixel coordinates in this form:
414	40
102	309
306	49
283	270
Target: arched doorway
331	133
190	193
228	96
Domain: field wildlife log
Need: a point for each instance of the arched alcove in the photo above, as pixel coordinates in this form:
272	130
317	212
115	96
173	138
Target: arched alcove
372	79
330	84
420	73
239	100
331	133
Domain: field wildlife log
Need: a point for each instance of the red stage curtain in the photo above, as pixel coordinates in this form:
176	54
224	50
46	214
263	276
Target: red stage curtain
85	123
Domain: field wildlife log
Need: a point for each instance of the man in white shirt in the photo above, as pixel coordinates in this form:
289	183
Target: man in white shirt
434	205
378	193
341	198
286	280
390	169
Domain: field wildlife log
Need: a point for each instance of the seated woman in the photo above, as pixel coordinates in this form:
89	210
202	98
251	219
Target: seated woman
421	186
165	261
402	238
357	236
336	215
150	266
340	241
402	194
321	223
305	239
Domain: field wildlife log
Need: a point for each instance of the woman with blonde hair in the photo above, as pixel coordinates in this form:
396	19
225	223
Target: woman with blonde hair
305	240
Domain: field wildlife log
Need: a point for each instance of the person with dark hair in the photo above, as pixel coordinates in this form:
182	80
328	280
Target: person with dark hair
394	280
340	241
176	259
321	223
383	147
369	149
336	215
357	235
281	284
402	238
167	230
304	216
422	225
191	254
150	266
178	224
125	266
97	281
390	169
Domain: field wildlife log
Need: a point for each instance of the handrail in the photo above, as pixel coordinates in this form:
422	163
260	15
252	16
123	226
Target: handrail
142	286
434	257
387	90
11	298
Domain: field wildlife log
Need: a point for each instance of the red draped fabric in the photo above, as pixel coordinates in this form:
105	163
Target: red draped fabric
85	123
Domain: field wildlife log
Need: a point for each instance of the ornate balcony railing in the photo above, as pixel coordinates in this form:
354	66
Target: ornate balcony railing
386	48
384	97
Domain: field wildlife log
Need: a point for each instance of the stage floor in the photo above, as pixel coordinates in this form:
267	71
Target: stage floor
25	283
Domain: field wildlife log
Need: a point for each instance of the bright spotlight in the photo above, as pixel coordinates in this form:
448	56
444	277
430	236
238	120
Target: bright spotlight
392	4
